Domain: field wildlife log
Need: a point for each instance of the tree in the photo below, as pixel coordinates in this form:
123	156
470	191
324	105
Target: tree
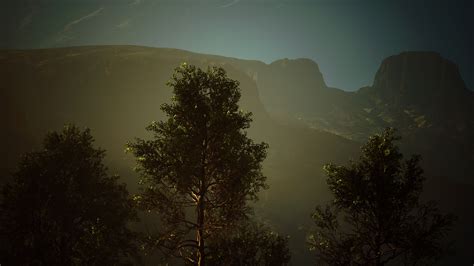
200	169
250	243
63	209
383	218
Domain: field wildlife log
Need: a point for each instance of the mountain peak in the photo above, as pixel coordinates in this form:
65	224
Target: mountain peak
297	61
418	77
303	68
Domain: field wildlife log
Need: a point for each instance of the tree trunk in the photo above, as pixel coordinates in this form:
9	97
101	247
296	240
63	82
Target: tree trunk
378	261
201	260
201	253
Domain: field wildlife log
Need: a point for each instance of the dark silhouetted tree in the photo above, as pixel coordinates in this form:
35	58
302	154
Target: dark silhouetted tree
62	208
200	169
376	216
249	244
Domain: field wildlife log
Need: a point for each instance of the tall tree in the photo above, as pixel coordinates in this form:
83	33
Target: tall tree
200	169
383	219
64	209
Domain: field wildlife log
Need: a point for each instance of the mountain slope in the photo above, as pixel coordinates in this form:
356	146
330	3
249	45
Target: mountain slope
117	91
419	93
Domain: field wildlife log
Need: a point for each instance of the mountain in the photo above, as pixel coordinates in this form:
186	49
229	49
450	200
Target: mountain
424	96
274	80
117	90
419	93
423	79
426	90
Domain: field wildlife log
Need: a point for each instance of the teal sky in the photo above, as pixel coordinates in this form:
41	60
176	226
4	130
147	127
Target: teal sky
347	38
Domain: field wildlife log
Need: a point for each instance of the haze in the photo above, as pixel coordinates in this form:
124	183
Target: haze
320	78
348	39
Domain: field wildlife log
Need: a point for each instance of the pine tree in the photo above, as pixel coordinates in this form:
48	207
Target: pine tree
62	207
376	216
200	169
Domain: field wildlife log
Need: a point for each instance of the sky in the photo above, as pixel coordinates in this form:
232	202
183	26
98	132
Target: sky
348	39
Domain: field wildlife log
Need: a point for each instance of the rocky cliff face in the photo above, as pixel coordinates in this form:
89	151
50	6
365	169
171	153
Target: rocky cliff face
420	93
410	74
290	85
423	80
422	90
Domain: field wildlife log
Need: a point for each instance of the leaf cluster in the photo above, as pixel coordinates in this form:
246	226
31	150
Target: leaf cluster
376	215
64	209
200	154
249	243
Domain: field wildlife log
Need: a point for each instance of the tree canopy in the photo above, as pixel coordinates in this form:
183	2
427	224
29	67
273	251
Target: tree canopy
250	243
200	168
62	207
376	215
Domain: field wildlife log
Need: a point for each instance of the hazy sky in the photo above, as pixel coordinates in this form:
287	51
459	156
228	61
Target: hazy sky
347	38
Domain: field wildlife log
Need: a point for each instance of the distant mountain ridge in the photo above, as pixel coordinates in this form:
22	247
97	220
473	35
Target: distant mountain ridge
419	93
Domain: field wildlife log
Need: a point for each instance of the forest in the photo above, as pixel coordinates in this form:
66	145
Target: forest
199	178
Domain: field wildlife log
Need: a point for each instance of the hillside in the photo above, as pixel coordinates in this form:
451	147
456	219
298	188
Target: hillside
117	90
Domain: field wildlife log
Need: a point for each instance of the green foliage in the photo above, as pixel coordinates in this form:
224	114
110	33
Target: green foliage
63	209
200	169
249	244
382	217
